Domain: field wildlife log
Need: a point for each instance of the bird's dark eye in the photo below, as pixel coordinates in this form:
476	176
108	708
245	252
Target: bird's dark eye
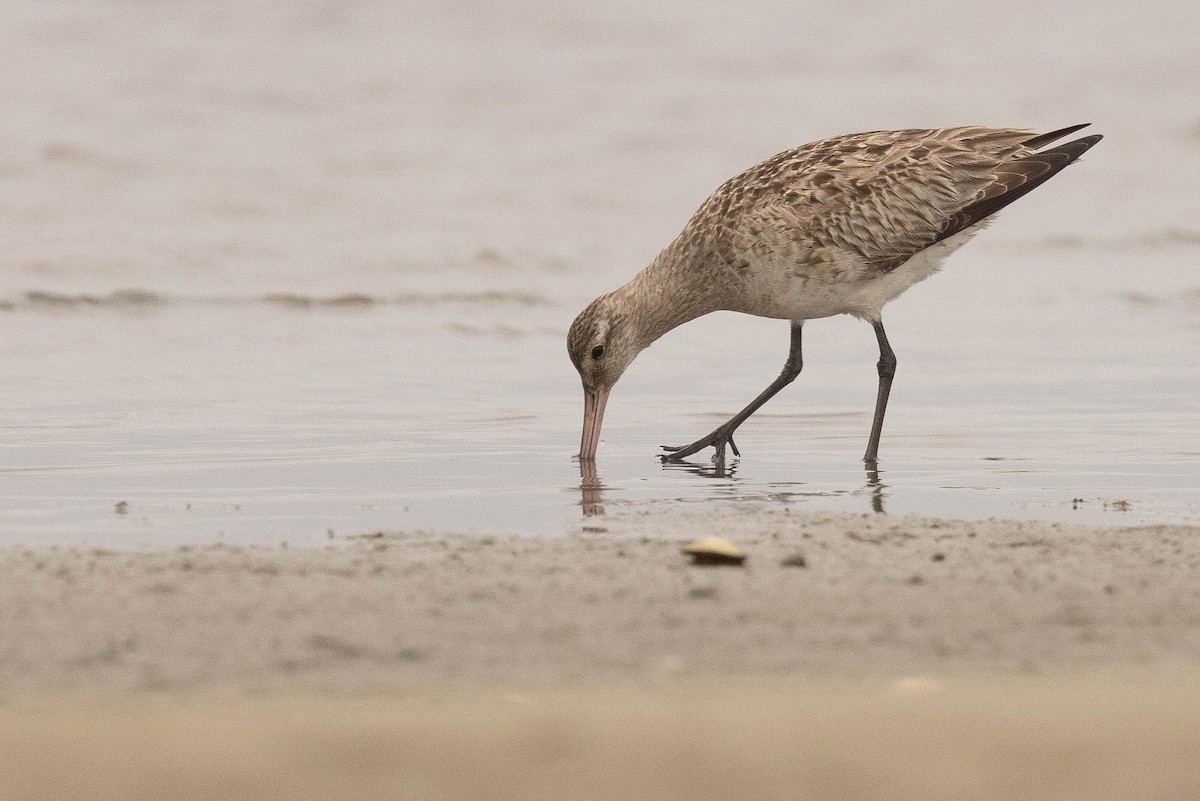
597	351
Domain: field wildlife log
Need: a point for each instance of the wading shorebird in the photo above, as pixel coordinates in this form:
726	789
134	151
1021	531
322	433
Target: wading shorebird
839	226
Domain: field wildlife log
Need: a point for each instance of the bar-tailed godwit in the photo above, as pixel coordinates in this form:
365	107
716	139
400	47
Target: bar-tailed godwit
839	226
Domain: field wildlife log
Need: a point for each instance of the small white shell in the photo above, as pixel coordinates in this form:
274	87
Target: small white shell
714	551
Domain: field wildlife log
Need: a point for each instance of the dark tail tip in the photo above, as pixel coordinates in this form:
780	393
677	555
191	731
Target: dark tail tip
1041	140
1076	148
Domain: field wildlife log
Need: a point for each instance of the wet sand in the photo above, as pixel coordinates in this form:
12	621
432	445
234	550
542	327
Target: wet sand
906	658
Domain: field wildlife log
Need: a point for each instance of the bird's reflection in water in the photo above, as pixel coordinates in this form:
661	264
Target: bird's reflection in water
874	486
721	469
717	468
590	489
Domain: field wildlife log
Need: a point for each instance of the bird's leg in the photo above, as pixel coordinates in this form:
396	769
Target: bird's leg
723	433
887	369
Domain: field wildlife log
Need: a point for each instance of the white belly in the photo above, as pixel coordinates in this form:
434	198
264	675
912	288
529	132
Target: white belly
797	298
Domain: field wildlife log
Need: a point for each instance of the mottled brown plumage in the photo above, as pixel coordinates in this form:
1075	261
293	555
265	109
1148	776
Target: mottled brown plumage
839	226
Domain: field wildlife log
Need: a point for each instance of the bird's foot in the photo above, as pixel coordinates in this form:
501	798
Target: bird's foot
717	439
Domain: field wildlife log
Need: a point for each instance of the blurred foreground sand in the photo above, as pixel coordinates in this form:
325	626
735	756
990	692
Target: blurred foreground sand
1119	735
908	658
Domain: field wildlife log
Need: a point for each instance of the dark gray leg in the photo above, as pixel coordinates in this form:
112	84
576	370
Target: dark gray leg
724	433
887	369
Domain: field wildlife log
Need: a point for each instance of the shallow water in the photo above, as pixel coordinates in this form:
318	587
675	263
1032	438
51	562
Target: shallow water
261	421
275	273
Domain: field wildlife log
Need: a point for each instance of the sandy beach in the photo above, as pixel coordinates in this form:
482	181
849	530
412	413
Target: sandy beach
878	597
449	666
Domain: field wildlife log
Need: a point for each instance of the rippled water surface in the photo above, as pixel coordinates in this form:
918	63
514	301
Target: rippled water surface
271	273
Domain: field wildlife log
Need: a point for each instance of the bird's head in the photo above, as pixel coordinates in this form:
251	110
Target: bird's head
602	342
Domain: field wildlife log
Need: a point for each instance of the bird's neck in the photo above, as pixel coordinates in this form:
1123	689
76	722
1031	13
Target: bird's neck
666	294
